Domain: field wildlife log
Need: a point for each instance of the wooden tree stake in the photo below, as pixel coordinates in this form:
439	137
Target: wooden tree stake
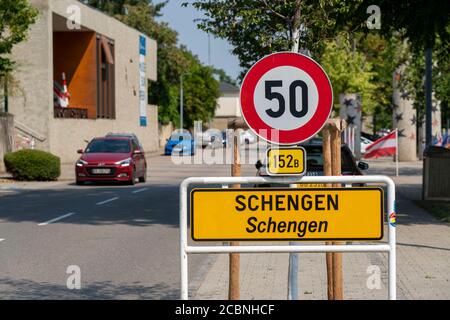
233	285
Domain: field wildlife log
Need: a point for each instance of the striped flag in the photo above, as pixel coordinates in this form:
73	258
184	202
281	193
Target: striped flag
385	146
60	93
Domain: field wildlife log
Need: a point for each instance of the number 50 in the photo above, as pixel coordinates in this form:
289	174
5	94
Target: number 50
270	95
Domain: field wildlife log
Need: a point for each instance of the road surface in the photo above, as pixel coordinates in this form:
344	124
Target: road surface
124	239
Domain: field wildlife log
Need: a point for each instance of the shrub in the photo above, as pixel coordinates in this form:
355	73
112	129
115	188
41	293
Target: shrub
33	165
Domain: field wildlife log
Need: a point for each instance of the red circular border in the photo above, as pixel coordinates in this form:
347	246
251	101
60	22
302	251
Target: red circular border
304	63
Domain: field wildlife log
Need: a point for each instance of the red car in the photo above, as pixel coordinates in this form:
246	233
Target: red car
111	158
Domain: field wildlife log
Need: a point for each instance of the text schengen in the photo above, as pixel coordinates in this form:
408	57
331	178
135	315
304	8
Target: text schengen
280	214
264	206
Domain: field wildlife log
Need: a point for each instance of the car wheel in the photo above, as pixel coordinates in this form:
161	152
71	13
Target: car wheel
132	181
144	177
80	183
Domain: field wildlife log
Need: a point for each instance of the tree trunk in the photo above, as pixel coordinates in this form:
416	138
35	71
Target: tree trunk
295	27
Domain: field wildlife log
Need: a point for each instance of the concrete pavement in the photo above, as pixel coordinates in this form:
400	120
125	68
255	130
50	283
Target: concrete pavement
125	239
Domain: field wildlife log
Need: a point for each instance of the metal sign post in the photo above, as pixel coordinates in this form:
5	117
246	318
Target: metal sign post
186	249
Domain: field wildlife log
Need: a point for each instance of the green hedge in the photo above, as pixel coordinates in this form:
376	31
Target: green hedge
33	165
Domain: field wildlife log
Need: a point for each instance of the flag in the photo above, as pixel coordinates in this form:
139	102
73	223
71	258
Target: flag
60	93
385	146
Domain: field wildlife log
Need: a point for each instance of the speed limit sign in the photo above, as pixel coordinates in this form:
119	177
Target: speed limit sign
286	98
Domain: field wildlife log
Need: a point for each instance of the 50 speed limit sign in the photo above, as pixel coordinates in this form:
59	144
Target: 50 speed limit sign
286	98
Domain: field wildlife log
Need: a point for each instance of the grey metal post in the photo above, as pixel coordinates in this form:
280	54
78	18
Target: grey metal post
293	275
293	270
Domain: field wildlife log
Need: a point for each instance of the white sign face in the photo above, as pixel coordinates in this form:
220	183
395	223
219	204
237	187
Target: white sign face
286	98
284	93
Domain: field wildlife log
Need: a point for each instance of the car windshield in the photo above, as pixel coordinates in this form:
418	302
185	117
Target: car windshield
108	146
314	159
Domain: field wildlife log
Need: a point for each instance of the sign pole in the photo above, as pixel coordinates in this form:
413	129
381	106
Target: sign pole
293	270
328	172
233	285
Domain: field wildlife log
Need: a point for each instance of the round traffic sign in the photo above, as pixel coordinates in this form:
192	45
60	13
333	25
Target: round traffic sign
286	98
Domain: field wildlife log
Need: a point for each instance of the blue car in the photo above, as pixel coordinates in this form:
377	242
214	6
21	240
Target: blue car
180	143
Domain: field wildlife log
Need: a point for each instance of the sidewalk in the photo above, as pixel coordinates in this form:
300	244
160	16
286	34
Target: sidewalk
423	257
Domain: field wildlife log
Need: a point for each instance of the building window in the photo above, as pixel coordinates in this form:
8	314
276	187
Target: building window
105	78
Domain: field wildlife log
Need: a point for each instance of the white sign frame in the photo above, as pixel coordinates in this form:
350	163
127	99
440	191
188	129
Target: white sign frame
390	247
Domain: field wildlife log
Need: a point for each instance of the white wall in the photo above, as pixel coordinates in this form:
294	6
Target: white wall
228	106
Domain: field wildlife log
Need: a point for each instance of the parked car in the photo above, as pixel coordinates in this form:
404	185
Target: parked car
371	137
211	138
364	144
383	132
111	158
247	137
180	143
225	137
126	135
314	160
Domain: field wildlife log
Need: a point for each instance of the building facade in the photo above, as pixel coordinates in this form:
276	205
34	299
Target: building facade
107	66
228	106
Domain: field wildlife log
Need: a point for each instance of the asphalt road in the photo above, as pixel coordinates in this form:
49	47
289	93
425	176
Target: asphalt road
124	239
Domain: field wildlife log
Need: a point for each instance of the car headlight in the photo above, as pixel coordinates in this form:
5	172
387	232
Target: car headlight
81	163
124	163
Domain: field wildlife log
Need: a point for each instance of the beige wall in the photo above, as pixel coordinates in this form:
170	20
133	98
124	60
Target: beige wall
67	142
32	105
220	123
228	106
35	109
165	131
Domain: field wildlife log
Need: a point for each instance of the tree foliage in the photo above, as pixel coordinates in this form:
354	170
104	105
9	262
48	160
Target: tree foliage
256	28
421	21
349	71
16	16
442	70
222	76
335	32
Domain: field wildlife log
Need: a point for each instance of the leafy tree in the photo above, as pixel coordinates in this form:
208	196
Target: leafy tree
16	16
201	91
423	25
349	71
222	76
385	54
420	21
258	27
442	74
